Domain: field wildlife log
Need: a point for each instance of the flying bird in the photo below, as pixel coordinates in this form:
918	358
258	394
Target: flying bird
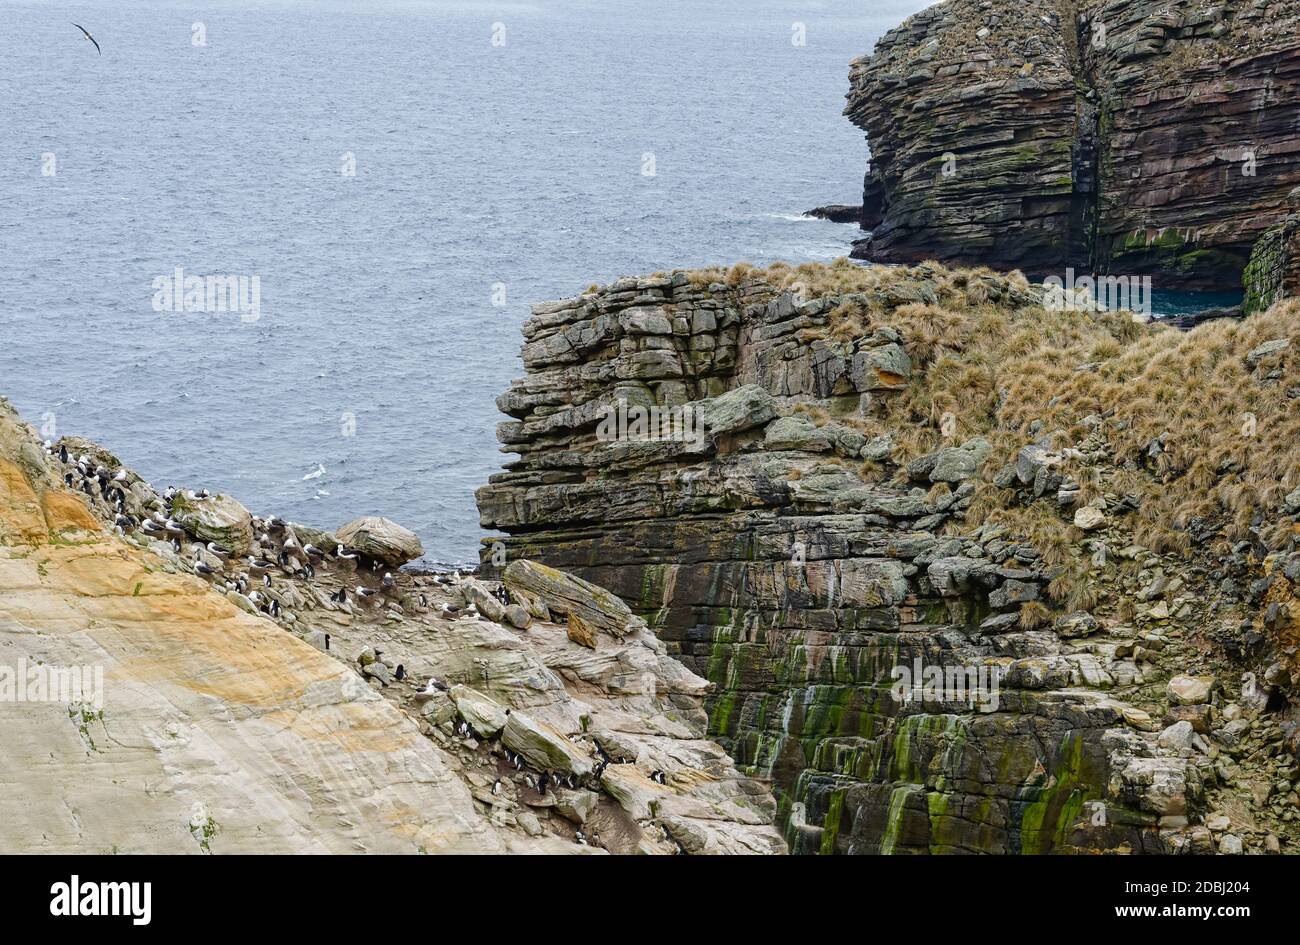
89	37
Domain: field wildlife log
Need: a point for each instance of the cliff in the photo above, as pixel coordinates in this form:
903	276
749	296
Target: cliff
1273	273
857	475
1117	136
246	708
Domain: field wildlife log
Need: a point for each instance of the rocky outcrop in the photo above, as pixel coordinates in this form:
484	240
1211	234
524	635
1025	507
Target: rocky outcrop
1273	273
382	539
1124	137
874	558
277	709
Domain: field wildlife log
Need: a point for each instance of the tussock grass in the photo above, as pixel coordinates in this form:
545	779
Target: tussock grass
988	357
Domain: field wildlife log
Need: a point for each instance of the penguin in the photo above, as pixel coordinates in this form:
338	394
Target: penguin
341	597
400	673
580	838
496	788
63	453
327	642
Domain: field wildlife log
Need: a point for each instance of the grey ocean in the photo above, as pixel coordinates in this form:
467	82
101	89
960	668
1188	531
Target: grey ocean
501	153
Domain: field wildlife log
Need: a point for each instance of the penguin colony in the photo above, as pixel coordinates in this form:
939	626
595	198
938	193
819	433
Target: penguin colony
277	556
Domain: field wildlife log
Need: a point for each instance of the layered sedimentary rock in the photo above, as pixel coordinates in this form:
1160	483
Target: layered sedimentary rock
273	708
792	477
1126	137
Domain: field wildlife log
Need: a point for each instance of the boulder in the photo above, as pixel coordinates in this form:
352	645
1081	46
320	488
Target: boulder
518	617
959	463
382	540
576	806
1267	349
217	519
565	594
1177	737
485	715
795	433
1198	716
1078	624
1089	518
878	449
478	594
543	747
884	368
1013	592
1034	458
1191	690
1139	719
634	791
737	410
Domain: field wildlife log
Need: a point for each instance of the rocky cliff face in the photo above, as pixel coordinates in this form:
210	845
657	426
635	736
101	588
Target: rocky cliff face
1273	273
249	708
824	485
1118	136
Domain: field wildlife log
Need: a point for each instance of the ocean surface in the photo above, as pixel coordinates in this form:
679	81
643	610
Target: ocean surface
403	178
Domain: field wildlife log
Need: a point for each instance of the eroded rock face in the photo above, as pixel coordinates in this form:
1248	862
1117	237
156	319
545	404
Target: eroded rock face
286	719
804	588
1117	136
1273	273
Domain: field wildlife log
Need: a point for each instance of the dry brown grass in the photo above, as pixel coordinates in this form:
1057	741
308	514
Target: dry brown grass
1012	372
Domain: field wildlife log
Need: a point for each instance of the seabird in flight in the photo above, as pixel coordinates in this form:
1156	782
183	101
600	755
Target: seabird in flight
89	37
